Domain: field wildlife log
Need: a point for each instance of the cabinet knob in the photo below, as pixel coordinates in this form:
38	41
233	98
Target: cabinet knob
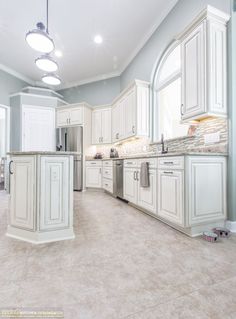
181	109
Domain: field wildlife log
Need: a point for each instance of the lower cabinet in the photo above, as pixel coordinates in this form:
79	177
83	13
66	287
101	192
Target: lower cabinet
144	197
22	192
171	196
94	174
107	176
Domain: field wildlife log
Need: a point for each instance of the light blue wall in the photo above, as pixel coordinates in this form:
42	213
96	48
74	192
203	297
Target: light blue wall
181	15
232	120
96	93
8	85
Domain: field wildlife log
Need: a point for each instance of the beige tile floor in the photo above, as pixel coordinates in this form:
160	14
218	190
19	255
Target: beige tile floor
122	264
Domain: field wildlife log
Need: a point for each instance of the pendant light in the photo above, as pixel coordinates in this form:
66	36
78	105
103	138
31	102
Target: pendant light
51	79
39	39
46	63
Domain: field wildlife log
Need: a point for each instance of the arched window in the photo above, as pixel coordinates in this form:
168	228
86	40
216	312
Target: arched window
167	96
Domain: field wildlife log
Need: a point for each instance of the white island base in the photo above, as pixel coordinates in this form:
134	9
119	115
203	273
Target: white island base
41	196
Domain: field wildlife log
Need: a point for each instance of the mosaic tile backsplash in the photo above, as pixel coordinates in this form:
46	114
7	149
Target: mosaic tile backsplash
189	143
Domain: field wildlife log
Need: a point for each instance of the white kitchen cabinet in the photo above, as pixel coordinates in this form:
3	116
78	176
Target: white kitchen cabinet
144	197
41	197
204	65
147	196
107	176
171	196
54	185
206	191
72	115
94	174
130	112
130	184
101	126
22	192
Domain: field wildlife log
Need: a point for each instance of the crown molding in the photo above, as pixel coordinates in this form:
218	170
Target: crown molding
148	35
16	74
89	80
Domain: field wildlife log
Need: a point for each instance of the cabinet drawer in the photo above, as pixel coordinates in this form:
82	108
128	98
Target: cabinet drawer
108	185
107	172
107	163
170	162
93	163
131	163
151	161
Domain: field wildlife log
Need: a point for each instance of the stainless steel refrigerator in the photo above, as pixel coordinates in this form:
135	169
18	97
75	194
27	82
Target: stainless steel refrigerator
70	139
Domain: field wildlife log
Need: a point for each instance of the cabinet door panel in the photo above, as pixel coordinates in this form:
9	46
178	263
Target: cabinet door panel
170	196
76	116
94	177
22	192
207	189
106	126
193	73
130	185
96	127
130	114
147	196
63	117
115	123
54	193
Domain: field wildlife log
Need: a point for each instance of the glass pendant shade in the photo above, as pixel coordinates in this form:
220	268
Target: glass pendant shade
46	63
39	40
51	79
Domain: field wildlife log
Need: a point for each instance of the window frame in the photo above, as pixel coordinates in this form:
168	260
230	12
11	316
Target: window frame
7	128
158	86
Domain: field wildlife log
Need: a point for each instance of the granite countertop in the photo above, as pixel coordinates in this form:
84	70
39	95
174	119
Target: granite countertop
152	155
41	153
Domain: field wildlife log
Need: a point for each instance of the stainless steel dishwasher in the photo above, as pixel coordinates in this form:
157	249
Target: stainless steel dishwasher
118	178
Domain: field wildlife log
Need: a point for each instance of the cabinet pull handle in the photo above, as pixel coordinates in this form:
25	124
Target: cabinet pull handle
93	163
129	162
169	163
168	173
102	139
181	109
10	171
133	129
100	171
137	175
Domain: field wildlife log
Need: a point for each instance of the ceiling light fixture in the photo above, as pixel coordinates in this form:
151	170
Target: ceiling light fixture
98	39
58	53
51	79
39	39
46	63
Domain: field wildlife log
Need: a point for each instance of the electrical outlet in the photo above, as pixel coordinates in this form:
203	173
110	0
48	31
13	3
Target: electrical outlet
212	138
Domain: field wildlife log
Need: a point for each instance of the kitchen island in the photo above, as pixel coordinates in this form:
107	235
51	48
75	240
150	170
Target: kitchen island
41	196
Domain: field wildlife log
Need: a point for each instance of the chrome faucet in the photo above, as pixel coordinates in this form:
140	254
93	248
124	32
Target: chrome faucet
163	149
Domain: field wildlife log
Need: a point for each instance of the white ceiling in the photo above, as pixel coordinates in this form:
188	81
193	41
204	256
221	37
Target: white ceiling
125	26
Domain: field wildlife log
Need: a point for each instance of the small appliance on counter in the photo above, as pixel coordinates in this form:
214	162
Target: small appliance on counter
113	153
98	156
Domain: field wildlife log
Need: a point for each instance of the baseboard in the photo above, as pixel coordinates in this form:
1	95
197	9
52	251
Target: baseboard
231	226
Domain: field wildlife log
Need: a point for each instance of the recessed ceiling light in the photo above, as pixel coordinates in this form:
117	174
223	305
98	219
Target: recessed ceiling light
98	39
58	53
51	79
46	63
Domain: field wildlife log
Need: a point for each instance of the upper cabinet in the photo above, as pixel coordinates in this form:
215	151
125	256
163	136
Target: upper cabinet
101	126
73	114
204	65
130	112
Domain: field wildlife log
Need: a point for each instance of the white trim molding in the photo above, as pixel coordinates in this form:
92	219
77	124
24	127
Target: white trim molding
16	74
231	226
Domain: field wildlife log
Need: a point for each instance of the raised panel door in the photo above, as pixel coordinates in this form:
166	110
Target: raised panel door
76	116
96	127
22	192
106	126
193	73
130	185
130	113
54	193
170	196
62	117
147	196
94	177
